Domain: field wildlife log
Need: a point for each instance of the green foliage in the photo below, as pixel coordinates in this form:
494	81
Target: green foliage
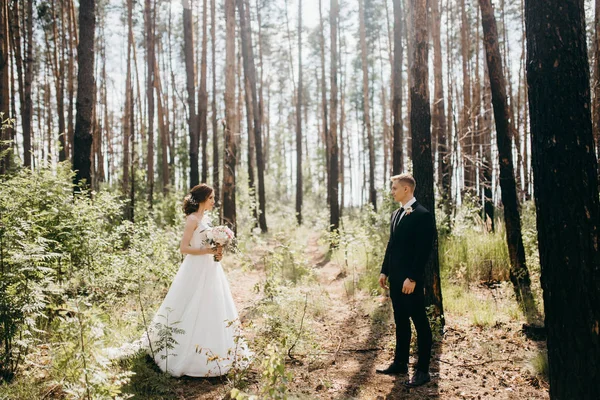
58	254
166	338
78	363
474	255
274	377
539	365
285	262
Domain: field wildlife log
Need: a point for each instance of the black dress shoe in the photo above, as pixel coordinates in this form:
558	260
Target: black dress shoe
393	369
418	379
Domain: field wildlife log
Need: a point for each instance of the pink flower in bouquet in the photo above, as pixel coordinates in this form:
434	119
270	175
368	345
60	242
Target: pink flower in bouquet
220	236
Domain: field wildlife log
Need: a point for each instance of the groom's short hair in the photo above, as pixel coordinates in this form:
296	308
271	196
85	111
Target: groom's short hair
406	179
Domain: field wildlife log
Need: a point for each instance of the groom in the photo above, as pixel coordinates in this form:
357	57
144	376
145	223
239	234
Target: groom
412	234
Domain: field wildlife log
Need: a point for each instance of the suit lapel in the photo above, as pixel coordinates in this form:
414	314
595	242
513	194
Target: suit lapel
403	219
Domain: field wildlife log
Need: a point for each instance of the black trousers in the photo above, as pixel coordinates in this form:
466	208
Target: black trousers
407	307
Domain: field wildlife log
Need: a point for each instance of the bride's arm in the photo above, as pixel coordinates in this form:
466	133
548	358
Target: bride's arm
190	225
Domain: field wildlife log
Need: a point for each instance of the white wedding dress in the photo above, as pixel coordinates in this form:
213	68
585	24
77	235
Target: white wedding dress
204	321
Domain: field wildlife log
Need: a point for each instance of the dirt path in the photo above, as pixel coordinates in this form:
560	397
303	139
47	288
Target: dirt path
469	363
356	336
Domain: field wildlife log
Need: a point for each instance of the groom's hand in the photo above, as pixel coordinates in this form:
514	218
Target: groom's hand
409	286
382	281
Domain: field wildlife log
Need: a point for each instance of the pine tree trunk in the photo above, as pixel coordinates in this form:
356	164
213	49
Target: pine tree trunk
397	156
420	117
188	38
250	73
466	131
27	108
128	109
487	162
203	96
251	150
72	44
519	275
5	161
299	122
85	93
596	81
150	65
565	172
15	34
213	36
439	113
334	208
366	105
230	150
163	131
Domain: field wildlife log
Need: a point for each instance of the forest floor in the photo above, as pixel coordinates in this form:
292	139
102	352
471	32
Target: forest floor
474	359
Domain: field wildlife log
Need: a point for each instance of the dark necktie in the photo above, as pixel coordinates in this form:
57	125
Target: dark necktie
397	219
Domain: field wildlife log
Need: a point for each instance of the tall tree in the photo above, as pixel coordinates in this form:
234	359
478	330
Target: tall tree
438	110
203	95
366	105
420	123
85	92
188	49
299	122
467	132
128	113
26	100
215	138
565	172
4	85
519	275
150	85
230	148
334	207
397	160
250	73
596	83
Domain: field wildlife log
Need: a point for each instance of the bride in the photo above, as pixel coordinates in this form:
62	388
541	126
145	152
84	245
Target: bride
195	331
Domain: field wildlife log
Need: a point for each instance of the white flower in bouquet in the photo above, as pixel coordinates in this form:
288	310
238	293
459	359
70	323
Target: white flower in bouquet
220	235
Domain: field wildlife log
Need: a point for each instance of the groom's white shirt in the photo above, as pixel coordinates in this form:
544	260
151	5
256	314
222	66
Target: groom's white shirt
405	206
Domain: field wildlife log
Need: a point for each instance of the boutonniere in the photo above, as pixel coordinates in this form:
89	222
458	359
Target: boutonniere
408	210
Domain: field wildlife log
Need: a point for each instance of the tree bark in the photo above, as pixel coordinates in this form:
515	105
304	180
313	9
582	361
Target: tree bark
565	172
230	150
203	95
150	85
596	82
188	39
85	93
397	156
27	104
215	144
299	122
466	129
334	208
439	113
5	136
420	118
128	110
250	73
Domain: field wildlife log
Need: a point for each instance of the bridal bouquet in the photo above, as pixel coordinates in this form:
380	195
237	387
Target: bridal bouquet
220	236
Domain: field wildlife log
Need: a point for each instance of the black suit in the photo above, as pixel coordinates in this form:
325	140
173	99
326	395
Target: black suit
407	253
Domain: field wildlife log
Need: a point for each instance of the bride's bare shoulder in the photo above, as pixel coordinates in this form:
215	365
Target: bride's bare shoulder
191	219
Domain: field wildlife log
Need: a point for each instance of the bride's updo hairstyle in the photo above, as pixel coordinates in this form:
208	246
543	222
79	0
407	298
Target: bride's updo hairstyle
198	194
